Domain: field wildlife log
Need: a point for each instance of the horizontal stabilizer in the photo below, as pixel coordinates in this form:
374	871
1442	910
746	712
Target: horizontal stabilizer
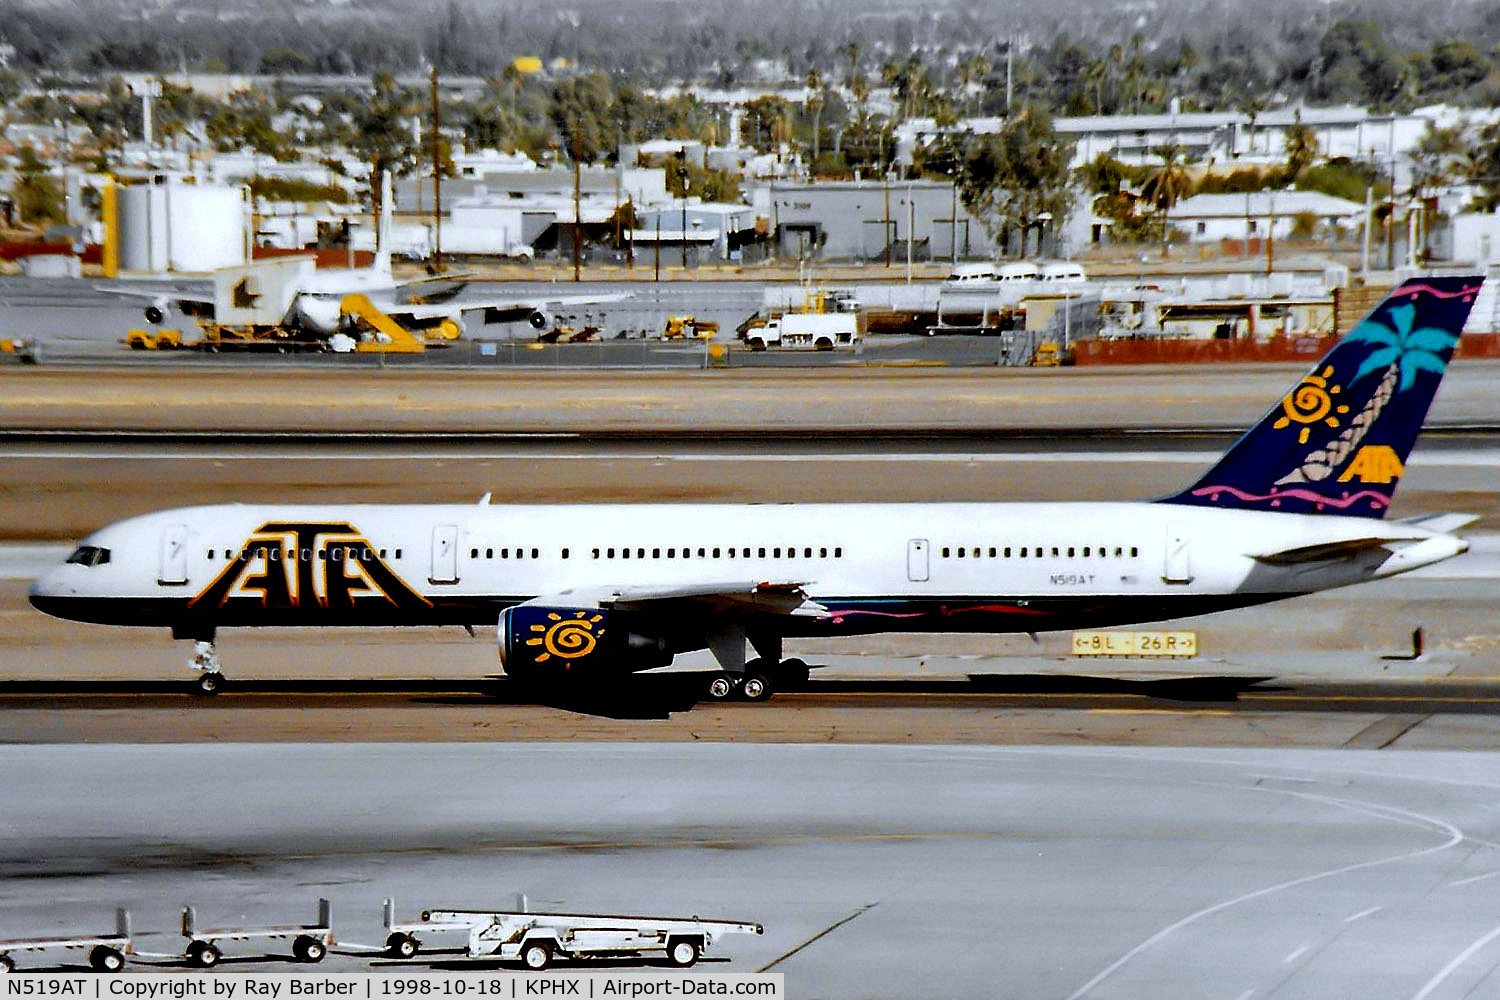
1324	551
1444	524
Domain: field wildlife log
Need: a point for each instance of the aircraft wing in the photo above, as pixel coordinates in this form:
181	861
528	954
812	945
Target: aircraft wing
186	303
496	310
736	597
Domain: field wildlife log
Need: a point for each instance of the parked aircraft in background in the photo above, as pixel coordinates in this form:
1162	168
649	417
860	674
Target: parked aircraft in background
582	592
311	300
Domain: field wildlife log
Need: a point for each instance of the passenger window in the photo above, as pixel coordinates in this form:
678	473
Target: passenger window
1055	552
1134	552
536	553
398	553
776	552
945	552
838	553
596	553
747	553
610	553
565	553
1085	551
807	553
1070	552
992	552
823	553
473	553
640	553
505	553
762	553
672	553
489	553
716	553
656	553
624	553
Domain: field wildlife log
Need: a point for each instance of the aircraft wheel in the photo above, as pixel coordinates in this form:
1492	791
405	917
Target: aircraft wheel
401	946
208	683
721	688
792	674
757	687
106	959
682	952
203	954
308	949
536	956
7	964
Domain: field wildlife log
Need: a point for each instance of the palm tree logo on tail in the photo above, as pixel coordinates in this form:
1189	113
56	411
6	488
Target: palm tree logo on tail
1402	352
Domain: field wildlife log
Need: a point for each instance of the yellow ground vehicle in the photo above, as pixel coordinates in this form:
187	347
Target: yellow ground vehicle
689	327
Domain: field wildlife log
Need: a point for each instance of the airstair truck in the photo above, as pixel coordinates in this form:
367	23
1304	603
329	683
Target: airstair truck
537	939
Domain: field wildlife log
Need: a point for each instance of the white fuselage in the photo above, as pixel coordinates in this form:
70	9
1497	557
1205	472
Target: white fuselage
990	567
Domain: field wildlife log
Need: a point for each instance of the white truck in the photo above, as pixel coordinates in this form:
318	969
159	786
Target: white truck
537	939
805	331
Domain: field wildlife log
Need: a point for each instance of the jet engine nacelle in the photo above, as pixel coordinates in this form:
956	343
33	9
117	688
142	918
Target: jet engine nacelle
539	642
156	311
539	320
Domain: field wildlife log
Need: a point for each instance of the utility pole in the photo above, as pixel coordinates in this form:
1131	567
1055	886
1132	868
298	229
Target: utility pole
1010	48
1270	234
683	180
437	179
577	213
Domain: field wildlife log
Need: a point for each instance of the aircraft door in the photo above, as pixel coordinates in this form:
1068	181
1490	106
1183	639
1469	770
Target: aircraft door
916	560
1178	567
172	570
444	554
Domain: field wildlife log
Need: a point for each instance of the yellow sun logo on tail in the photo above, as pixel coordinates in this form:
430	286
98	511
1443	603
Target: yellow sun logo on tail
1310	402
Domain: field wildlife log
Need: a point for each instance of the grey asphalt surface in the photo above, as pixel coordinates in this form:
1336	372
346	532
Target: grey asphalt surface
955	871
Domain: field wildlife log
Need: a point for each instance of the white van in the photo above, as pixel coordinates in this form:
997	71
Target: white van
1018	271
971	277
1066	273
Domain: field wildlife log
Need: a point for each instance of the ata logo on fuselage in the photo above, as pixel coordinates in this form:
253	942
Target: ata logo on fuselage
1374	463
300	565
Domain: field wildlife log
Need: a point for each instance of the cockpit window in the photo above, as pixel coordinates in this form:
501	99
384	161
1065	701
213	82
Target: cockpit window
89	555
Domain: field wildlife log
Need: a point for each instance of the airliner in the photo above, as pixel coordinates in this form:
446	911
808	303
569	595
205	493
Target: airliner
316	303
584	592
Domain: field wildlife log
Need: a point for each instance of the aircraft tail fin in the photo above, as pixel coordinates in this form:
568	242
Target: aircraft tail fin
1337	442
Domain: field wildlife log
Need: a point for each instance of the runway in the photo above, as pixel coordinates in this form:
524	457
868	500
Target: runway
877	871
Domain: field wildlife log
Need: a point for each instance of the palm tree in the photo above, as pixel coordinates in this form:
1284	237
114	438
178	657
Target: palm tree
1167	185
1301	147
1402	352
814	103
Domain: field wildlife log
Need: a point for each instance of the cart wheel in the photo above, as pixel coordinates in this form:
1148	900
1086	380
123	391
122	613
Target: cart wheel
682	952
7	964
401	946
208	683
537	955
203	954
106	959
308	949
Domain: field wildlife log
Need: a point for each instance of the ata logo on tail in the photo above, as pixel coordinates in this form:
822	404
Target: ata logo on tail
1374	463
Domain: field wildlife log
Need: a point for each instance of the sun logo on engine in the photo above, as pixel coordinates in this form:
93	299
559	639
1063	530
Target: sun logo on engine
567	638
1310	402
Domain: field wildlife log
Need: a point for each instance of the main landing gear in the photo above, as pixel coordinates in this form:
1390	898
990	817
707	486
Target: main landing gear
759	681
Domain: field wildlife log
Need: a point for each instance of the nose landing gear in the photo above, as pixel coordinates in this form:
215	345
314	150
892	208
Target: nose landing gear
205	660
